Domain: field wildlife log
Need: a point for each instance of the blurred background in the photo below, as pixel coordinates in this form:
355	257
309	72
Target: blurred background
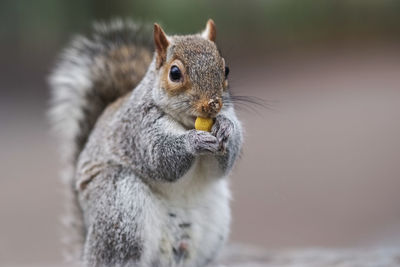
321	161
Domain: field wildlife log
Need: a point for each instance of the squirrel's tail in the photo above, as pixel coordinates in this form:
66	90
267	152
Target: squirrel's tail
92	73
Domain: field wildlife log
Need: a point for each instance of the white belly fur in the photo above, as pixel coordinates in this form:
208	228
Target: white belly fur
192	213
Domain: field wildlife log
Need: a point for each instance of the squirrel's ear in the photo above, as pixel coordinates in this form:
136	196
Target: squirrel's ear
210	32
161	43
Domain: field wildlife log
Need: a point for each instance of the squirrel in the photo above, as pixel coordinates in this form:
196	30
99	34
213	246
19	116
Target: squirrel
146	188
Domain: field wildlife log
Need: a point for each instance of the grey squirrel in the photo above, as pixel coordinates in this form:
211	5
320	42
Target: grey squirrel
147	189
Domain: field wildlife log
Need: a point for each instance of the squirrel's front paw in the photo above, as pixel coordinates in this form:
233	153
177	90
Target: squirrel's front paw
201	143
222	129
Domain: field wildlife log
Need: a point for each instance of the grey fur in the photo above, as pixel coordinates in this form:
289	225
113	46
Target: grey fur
152	190
82	86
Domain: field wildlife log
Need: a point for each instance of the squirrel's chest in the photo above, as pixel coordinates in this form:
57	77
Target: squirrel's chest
194	186
194	219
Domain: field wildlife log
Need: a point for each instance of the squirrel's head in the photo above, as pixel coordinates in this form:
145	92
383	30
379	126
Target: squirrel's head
192	75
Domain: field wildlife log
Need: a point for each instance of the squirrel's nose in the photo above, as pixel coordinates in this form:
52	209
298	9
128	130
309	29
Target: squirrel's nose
210	106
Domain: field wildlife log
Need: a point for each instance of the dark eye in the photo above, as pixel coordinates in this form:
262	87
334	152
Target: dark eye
175	74
226	72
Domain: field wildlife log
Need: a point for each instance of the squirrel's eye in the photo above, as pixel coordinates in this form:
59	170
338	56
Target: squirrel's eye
175	74
226	72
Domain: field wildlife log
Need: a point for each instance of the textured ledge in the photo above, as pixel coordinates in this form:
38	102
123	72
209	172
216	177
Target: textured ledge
237	255
246	256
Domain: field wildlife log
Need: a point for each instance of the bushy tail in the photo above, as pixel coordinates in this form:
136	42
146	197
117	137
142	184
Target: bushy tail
92	73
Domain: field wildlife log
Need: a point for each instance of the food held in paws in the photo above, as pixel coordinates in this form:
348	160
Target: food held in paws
203	124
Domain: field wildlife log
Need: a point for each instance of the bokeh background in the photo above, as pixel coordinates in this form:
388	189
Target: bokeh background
321	161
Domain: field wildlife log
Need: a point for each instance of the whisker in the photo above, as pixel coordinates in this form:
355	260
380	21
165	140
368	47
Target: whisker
253	100
247	103
246	107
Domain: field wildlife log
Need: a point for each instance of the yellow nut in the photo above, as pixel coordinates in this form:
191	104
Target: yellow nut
203	124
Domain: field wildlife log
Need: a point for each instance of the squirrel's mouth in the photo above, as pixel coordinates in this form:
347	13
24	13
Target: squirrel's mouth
192	121
187	121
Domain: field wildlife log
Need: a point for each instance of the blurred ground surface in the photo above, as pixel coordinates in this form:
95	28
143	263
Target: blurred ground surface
239	255
319	169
